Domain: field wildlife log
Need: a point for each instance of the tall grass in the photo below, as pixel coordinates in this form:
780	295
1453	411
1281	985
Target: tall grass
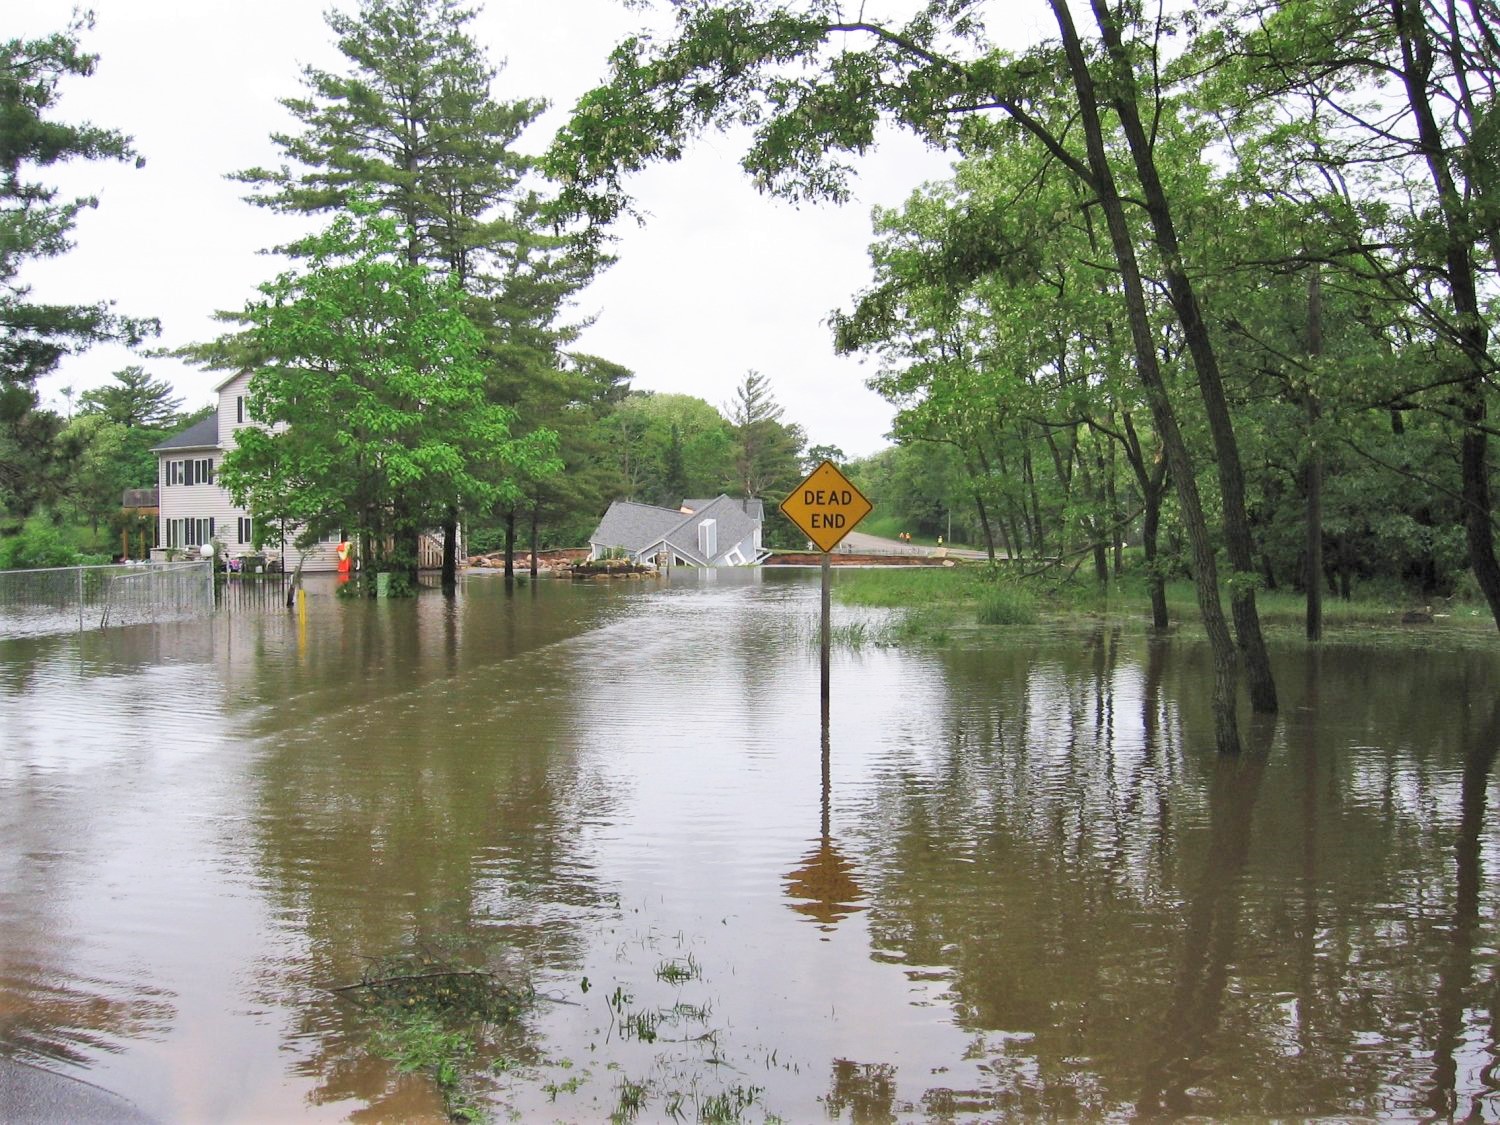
935	598
904	587
1006	602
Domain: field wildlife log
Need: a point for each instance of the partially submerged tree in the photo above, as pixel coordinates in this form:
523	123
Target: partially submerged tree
411	125
1394	152
372	393
815	86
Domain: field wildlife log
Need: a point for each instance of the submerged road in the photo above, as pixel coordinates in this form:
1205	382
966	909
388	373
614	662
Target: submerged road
31	1094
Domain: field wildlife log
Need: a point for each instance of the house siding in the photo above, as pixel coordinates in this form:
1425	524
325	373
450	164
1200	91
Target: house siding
230	394
209	500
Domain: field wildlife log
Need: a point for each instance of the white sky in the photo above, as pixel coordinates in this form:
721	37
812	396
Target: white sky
719	281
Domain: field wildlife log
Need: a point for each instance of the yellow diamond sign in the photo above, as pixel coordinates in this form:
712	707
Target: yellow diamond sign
826	506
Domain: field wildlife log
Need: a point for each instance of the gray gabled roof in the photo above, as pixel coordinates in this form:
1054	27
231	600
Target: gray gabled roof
733	526
752	506
638	527
200	435
634	526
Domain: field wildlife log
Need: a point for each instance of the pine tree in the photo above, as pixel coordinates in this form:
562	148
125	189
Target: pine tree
35	223
767	451
411	125
134	400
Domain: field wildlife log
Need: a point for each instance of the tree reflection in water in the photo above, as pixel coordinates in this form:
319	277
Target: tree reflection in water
1037	890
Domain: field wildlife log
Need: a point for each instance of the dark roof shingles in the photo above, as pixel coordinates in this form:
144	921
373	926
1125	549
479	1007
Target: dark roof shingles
200	435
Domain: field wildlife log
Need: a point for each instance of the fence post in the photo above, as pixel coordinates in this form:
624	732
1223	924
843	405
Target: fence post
80	599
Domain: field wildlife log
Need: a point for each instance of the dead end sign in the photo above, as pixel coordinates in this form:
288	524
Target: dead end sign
826	506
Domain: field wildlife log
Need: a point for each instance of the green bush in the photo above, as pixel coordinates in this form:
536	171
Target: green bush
38	545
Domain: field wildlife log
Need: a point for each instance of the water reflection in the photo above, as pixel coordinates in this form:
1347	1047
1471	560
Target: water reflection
1265	924
1035	889
1184	1043
824	887
1455	981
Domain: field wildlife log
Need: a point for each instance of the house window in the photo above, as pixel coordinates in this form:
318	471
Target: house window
197	471
190	532
246	532
239	409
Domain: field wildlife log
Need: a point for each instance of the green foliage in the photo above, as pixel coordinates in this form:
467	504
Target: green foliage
374	370
767	451
39	544
411	129
641	434
916	488
905	587
135	400
1001	334
35	224
434	1013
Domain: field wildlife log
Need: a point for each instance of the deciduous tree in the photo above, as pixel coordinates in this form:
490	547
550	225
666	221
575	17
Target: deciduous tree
372	393
411	124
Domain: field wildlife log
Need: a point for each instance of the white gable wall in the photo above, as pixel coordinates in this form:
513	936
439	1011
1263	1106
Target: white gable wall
233	397
209	501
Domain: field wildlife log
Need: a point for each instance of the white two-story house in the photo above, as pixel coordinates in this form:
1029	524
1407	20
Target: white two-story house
195	510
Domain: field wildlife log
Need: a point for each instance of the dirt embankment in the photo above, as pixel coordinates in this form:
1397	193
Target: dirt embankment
563	562
545	560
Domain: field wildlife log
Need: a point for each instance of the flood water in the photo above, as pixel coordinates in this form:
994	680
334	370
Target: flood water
1012	878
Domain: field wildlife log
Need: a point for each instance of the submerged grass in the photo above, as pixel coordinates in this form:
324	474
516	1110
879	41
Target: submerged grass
936	602
434	1013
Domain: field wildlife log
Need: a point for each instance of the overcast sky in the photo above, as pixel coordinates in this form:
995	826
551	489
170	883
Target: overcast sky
719	281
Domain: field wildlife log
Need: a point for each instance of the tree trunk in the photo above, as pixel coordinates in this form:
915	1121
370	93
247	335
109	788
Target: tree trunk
406	539
450	552
1034	516
1184	300
984	515
1110	469
1472	332
536	517
1016	547
1153	486
1101	179
1314	467
510	545
1156	581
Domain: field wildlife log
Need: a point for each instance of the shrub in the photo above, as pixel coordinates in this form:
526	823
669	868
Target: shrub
38	545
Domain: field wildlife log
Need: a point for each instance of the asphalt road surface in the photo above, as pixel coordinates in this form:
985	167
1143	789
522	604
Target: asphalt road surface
858	542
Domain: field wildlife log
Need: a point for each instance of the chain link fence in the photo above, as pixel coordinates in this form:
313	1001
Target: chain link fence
75	598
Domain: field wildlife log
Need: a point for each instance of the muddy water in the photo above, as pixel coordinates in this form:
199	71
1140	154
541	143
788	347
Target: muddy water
1011	878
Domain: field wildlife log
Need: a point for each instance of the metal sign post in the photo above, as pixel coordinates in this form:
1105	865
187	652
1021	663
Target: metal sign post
825	507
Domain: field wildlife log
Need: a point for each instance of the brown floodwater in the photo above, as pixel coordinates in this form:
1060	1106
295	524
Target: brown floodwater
1011	878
